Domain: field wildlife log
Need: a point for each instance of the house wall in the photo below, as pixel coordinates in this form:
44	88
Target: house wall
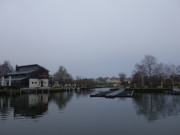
34	83
45	82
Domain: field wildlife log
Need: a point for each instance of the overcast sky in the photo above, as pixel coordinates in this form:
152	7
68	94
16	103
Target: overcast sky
91	38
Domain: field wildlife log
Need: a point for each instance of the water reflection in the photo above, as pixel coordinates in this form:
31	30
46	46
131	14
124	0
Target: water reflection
31	105
61	99
4	107
83	93
151	106
156	106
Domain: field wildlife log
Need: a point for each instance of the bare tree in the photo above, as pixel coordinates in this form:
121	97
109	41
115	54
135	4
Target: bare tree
160	72
140	68
151	72
149	62
178	73
145	69
101	80
62	76
122	77
85	82
6	67
172	72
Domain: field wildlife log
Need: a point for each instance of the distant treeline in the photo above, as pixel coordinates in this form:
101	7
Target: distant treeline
147	73
153	74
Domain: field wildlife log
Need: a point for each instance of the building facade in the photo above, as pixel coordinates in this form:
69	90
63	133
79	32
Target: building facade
29	76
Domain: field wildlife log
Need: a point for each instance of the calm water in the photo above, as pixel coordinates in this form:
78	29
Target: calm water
75	113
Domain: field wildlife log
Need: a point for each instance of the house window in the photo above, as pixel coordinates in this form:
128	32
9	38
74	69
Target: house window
35	82
32	82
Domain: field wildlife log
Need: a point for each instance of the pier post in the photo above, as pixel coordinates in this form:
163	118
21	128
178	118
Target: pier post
2	81
9	80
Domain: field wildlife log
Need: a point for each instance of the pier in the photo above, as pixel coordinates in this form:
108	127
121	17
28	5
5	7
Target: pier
114	94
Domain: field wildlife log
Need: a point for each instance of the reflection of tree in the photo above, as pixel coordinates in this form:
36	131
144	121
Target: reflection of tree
83	93
157	106
62	98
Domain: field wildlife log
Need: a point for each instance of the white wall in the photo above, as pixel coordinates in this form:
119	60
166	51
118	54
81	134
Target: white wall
45	82
34	83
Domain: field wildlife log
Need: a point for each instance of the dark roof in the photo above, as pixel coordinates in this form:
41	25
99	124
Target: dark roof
16	79
31	66
21	72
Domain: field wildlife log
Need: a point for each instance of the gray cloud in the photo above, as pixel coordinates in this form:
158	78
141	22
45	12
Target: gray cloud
90	38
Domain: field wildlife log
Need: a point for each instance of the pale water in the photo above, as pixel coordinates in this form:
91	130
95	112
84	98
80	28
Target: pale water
75	113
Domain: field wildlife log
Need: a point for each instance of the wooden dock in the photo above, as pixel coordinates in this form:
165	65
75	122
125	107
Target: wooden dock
126	93
101	94
114	94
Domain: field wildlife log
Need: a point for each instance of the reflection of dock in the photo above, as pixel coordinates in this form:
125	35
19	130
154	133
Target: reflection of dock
176	92
113	94
172	92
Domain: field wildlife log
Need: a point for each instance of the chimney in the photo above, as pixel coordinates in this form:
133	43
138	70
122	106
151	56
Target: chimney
16	67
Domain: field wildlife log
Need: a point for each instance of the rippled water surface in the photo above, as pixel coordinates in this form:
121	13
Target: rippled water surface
75	113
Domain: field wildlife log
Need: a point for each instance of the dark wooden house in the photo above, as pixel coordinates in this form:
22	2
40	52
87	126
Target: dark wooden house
30	76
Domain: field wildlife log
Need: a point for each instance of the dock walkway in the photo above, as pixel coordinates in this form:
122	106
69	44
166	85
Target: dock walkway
113	94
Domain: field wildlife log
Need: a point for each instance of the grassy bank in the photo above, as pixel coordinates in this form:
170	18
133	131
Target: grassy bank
150	90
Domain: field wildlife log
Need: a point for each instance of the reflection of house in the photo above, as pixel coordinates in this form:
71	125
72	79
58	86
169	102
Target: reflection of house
27	76
35	99
29	105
